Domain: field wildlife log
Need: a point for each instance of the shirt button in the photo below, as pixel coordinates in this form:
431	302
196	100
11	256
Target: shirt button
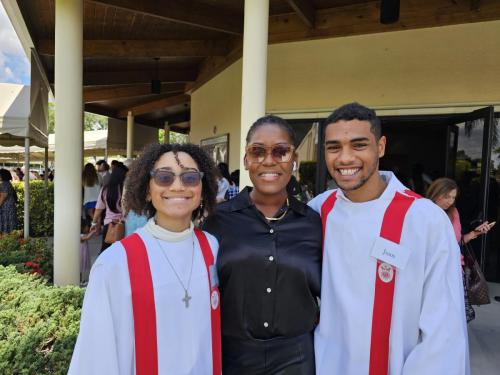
268	290
266	324
271	230
271	258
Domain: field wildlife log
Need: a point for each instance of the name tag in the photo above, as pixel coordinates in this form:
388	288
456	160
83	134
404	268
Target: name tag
214	280
390	252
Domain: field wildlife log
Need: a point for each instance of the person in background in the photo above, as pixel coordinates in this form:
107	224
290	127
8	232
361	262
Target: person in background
114	164
269	262
233	188
85	235
8	199
443	192
109	200
19	173
222	182
103	170
91	187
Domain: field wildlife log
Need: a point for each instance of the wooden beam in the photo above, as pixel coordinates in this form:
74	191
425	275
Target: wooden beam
99	110
305	10
96	94
212	66
186	12
475	4
144	48
154	105
363	18
119	77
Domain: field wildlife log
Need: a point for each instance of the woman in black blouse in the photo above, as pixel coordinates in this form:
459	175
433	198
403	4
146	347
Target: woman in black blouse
269	262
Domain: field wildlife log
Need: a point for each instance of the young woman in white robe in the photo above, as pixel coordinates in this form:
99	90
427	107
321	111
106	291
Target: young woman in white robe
152	303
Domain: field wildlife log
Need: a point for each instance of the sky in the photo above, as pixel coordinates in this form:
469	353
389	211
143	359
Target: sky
14	65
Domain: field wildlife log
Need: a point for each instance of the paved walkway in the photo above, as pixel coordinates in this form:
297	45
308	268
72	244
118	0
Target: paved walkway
484	337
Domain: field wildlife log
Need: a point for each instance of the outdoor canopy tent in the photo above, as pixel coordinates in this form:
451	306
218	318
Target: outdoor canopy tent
23	119
95	143
20	118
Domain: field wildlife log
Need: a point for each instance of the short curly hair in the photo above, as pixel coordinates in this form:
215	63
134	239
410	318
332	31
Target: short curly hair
137	182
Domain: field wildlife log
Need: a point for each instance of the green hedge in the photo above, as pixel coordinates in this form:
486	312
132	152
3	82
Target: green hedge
32	255
38	324
41	207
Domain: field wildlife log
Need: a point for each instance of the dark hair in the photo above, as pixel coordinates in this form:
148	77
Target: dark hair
137	184
5	174
272	120
89	175
114	188
235	176
356	111
103	162
224	171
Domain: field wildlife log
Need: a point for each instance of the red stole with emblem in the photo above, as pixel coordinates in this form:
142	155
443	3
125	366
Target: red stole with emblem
143	305
385	277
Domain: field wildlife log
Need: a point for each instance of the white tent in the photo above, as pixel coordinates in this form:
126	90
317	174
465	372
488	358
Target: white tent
23	121
95	143
20	118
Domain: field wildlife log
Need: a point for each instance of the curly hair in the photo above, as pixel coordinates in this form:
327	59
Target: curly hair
137	182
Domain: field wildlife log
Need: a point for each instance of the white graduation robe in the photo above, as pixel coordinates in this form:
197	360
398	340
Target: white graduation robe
105	343
428	331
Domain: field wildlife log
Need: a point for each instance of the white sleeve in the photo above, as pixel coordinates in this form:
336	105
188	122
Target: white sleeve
96	349
443	346
316	203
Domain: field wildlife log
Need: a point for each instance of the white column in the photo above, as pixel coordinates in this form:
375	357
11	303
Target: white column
166	128
46	164
254	76
69	134
26	188
130	135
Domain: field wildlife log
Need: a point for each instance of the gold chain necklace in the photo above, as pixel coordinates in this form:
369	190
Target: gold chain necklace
282	215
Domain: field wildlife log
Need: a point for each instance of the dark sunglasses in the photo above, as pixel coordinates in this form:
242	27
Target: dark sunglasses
165	177
281	153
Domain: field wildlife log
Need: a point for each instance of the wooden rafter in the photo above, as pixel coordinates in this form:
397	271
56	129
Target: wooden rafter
305	10
154	105
363	18
96	94
107	78
186	12
144	48
475	4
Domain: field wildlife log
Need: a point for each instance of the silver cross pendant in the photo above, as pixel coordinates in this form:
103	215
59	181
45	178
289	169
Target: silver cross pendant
186	298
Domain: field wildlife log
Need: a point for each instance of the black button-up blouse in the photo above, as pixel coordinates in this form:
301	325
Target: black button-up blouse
269	272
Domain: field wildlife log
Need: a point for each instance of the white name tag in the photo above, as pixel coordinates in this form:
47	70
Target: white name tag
390	252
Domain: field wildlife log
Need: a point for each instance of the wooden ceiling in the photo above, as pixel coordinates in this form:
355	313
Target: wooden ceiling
196	39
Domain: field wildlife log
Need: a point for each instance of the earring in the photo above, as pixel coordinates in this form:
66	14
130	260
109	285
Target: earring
294	166
201	205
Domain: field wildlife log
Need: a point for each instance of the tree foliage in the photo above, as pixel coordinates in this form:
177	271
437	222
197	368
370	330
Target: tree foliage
91	121
174	137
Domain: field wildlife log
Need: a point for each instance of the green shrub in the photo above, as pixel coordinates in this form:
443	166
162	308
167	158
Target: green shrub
32	255
38	324
41	207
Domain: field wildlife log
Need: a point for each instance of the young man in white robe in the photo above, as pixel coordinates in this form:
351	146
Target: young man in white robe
392	294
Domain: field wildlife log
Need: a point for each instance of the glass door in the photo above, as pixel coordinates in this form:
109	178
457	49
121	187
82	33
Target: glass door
469	162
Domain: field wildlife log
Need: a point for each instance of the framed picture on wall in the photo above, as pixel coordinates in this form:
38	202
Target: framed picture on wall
217	148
